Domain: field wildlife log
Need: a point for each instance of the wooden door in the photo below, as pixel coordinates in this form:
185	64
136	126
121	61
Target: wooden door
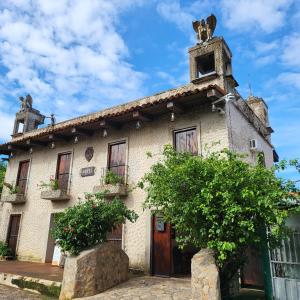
13	232
161	258
22	176
63	170
51	241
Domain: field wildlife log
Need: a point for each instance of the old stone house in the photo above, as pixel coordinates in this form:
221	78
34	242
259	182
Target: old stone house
208	112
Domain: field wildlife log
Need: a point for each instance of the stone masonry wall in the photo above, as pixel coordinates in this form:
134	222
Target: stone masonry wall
94	271
205	276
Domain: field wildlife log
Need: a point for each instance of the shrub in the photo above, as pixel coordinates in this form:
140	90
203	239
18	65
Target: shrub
87	223
218	202
2	175
13	189
4	250
52	185
112	178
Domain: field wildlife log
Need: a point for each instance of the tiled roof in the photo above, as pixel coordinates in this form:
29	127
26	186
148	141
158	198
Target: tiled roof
186	90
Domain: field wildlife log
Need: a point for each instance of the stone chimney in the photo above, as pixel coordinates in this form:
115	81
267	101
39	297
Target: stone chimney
28	116
260	108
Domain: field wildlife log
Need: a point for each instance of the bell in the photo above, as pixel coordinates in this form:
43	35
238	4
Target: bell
104	133
138	125
172	116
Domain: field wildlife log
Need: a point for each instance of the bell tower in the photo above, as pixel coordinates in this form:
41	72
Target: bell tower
210	59
27	116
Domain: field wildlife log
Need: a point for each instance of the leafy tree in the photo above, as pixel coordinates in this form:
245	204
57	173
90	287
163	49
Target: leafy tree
219	202
2	175
87	223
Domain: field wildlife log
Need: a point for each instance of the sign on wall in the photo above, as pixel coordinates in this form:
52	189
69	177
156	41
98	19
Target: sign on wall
88	171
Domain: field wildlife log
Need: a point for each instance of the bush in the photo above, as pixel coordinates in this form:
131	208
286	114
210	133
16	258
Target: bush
87	223
4	250
2	175
219	202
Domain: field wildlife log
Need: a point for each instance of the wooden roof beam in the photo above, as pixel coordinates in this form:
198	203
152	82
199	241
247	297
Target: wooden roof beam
81	131
14	147
108	124
214	94
36	143
137	115
58	137
174	107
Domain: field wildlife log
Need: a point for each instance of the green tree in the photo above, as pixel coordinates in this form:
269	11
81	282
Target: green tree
219	202
2	175
87	223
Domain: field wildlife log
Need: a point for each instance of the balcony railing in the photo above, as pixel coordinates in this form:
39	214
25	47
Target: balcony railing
114	181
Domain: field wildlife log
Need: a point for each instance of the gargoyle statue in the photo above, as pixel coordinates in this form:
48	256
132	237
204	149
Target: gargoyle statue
26	103
205	30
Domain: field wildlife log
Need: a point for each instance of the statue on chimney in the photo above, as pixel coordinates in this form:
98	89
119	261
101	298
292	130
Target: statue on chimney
205	30
26	103
28	116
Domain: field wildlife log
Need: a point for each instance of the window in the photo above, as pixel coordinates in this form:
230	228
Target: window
63	170
117	158
186	141
205	64
22	176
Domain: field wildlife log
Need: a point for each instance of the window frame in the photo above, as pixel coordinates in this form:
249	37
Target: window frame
176	131
70	167
27	175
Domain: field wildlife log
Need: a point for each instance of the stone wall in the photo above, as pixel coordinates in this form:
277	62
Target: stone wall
94	271
205	276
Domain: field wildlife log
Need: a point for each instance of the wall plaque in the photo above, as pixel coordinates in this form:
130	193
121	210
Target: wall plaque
88	171
89	153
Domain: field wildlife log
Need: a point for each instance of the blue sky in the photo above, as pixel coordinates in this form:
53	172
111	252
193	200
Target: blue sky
76	57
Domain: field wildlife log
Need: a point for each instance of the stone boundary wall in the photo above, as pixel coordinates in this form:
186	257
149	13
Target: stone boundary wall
94	271
205	276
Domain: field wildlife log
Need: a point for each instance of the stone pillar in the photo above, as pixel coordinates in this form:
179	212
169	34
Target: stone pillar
205	276
94	271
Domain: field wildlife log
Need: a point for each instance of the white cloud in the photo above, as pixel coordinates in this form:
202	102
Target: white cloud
251	15
289	78
291	46
183	16
263	47
6	126
67	51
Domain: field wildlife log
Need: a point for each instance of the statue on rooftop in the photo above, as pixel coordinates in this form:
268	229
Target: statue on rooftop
205	30
26	103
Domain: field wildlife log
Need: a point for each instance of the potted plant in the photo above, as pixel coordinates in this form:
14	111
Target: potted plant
112	184
51	191
15	195
5	251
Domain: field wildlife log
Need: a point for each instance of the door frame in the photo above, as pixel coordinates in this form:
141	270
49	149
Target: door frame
152	252
19	230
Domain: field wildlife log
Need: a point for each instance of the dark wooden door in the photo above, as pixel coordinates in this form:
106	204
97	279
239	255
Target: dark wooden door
63	170
13	232
161	247
22	176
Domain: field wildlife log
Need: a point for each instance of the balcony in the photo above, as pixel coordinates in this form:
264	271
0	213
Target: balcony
55	195
14	198
113	182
